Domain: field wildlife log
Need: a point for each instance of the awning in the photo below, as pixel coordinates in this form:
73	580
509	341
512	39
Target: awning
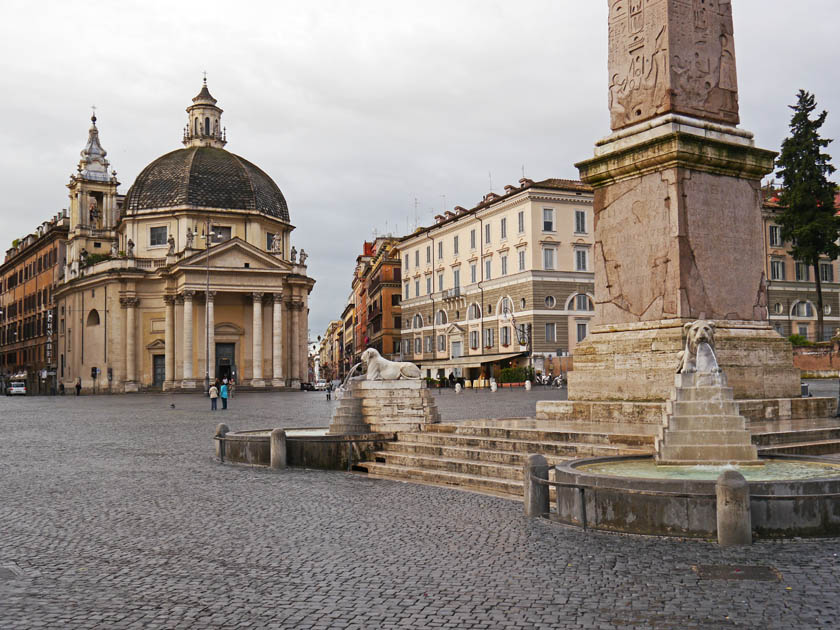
476	360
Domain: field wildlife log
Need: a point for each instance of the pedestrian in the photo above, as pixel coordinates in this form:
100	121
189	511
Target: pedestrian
78	386
214	397
224	395
329	391
231	384
61	388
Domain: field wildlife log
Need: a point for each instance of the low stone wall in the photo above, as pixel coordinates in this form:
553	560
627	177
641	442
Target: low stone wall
818	361
687	508
330	452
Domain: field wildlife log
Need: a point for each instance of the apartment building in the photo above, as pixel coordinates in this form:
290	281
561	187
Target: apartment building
792	293
508	282
29	322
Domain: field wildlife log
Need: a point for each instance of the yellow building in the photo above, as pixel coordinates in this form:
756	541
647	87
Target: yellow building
190	277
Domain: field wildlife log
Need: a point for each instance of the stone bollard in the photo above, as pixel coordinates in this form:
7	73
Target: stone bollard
493	386
734	524
527	386
278	449
458	388
221	431
536	494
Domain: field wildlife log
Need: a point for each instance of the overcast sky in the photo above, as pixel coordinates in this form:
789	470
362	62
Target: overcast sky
355	108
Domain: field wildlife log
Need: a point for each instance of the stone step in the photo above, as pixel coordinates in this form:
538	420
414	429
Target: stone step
786	437
547	433
708	453
706	423
473	467
571	449
471	482
818	447
704	393
677	438
703	408
511	458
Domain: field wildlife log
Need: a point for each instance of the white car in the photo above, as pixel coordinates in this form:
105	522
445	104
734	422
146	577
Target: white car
321	385
16	388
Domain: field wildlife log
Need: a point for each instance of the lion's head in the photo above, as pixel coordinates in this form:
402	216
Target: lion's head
368	355
699	332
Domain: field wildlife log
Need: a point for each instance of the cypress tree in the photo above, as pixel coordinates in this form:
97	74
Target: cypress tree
808	220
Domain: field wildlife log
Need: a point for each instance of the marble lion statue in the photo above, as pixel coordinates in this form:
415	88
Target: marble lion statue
380	369
699	353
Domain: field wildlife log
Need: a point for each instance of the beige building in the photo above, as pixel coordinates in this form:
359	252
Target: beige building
508	282
792	292
192	276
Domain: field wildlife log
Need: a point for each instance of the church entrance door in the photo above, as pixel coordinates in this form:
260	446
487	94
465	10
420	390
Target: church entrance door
225	360
158	369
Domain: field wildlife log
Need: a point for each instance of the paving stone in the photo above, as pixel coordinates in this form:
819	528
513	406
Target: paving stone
115	515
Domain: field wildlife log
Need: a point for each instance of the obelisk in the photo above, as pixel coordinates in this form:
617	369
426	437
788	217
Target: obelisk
678	228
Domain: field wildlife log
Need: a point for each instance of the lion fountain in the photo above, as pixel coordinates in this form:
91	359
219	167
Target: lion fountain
389	396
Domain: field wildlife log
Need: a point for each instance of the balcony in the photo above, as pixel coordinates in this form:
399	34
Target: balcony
450	294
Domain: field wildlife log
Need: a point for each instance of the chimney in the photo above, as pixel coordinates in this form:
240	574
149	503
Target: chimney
509	189
461	210
438	218
449	214
525	182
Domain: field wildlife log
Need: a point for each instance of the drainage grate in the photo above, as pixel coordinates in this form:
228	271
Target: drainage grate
736	572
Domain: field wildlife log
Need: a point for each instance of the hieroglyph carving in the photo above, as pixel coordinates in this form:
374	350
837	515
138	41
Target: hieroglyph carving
671	56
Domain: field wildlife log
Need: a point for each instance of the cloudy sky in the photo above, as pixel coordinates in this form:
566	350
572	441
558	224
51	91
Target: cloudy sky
369	114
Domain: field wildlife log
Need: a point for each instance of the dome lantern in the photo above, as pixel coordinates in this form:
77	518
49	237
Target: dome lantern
204	121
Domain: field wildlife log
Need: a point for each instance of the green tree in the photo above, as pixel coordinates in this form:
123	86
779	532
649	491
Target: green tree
808	220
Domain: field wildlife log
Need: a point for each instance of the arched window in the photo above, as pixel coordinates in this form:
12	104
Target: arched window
582	302
474	312
506	307
206	126
803	309
418	321
440	318
93	318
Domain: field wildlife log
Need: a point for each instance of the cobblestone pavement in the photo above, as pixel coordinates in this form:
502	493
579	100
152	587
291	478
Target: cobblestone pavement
113	514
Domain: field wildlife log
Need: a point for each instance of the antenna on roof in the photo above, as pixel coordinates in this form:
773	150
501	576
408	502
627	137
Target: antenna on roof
523	171
490	177
443	206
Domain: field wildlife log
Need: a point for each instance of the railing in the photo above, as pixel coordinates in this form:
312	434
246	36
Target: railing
452	293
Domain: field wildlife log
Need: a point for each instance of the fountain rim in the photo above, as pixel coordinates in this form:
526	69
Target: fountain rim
770	486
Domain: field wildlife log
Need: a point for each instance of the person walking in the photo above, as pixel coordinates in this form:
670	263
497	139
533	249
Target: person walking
224	395
78	386
214	397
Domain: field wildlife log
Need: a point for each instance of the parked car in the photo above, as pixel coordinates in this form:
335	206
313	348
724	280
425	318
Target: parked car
16	388
307	387
321	385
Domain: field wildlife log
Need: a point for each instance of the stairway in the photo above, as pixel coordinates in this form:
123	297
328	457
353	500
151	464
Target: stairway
818	436
488	455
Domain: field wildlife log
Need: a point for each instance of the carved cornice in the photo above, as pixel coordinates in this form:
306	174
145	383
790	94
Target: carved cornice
256	296
129	302
188	295
169	300
210	295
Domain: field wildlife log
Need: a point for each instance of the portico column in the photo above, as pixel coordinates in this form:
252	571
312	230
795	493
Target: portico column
188	381
169	341
295	375
211	335
257	354
304	338
277	342
129	304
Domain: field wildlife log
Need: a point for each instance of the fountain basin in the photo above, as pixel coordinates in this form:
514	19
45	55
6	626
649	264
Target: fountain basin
305	447
789	496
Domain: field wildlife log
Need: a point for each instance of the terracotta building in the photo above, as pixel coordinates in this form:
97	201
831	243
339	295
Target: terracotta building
384	291
33	267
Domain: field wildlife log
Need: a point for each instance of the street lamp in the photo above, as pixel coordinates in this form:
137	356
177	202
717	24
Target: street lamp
208	236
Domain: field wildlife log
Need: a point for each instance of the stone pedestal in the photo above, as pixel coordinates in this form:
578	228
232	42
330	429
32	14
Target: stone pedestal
384	406
704	425
636	362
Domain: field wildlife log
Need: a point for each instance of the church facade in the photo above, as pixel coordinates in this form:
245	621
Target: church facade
191	276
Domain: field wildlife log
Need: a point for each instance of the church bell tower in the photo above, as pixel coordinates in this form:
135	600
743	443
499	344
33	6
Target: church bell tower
204	122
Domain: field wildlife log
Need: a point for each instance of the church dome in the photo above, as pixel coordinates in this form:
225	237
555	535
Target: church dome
206	177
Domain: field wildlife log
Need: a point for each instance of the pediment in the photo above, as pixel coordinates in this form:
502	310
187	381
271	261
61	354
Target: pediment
157	344
235	254
455	329
228	329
